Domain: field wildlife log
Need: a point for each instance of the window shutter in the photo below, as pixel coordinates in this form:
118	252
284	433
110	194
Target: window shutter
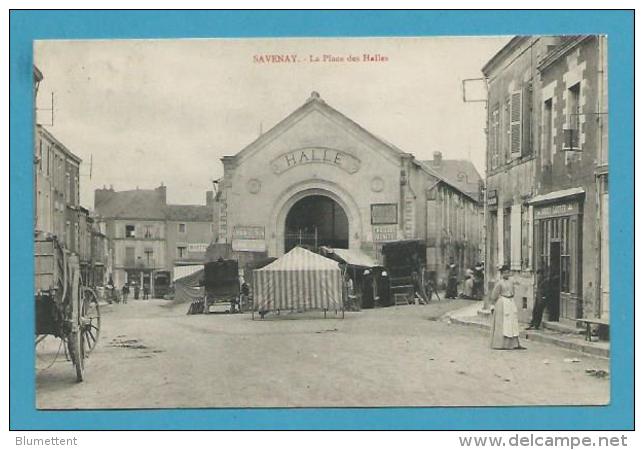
515	124
530	237
499	237
515	237
495	137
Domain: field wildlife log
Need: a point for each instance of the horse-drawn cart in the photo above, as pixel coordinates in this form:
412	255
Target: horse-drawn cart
64	307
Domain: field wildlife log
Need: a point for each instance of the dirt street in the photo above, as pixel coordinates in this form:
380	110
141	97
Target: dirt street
152	355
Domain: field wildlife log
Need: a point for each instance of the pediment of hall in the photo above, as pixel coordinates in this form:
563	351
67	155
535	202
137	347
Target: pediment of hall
320	139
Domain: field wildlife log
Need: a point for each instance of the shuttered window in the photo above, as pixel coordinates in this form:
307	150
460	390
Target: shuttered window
515	124
525	237
515	236
527	146
495	138
507	129
507	236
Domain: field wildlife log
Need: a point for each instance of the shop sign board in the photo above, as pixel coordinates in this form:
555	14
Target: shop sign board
249	245
556	210
492	199
385	233
197	247
248	232
384	214
249	239
315	155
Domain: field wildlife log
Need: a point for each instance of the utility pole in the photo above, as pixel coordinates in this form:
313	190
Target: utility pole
484	82
50	109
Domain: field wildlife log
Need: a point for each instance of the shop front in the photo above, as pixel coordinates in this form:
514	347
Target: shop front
558	231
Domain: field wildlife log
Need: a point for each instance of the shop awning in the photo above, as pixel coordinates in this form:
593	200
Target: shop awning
354	257
184	271
556	195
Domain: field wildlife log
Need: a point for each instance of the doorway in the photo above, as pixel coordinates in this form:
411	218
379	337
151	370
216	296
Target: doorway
554	274
316	220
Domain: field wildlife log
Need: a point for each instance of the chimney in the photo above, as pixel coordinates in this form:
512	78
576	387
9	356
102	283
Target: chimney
101	196
161	190
438	159
209	198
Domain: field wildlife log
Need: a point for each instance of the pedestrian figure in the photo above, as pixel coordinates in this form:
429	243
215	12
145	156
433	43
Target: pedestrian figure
245	295
367	289
137	291
468	285
351	295
146	292
125	291
384	289
505	321
542	299
479	276
110	291
452	280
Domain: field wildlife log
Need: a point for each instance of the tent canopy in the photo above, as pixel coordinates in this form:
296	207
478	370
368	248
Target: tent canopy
353	257
189	287
184	271
301	259
299	280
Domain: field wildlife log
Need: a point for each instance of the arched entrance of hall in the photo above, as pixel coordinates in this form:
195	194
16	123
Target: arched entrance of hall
316	220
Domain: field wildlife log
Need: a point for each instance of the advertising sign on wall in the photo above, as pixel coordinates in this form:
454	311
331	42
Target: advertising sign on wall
384	233
249	239
384	214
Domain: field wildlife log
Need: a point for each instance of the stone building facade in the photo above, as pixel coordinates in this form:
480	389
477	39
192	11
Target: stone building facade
454	216
319	178
57	189
149	237
190	230
547	177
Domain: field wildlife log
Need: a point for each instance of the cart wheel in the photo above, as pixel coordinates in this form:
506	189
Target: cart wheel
76	346
90	320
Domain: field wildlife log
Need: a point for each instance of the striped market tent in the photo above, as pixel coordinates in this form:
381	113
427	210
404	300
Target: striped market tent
299	280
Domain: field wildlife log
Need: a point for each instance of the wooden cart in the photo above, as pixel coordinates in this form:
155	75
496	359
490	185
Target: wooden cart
221	282
64	308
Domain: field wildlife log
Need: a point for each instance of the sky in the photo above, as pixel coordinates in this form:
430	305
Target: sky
147	112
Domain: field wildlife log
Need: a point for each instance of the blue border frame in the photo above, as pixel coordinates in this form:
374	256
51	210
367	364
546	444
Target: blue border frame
25	26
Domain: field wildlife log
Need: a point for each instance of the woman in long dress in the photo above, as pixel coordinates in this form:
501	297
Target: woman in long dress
452	281
505	321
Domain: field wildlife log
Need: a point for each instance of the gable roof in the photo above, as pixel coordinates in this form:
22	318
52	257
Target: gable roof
300	259
460	173
47	134
144	204
314	102
503	53
189	213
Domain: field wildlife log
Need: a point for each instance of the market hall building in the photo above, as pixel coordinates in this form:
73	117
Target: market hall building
318	178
